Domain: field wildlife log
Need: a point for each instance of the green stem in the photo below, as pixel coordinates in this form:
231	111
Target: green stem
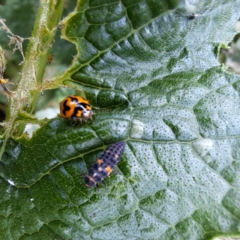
29	86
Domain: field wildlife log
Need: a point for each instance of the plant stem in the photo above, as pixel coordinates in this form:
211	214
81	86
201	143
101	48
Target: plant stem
29	85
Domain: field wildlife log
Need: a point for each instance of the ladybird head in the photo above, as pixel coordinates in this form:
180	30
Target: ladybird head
89	181
87	114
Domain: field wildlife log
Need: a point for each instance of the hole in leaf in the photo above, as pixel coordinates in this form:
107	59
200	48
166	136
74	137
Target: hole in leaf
230	55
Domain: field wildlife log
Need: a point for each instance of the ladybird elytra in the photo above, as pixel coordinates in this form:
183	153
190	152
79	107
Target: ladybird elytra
105	164
76	108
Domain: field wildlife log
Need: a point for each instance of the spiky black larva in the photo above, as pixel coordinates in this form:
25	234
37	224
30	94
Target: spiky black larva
105	164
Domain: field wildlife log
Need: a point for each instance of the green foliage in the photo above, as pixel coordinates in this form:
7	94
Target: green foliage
153	78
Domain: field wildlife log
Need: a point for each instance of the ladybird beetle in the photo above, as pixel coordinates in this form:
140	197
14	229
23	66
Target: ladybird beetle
105	164
3	83
76	108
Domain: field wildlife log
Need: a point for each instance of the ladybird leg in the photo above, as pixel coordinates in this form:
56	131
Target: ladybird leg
73	122
80	120
91	115
69	120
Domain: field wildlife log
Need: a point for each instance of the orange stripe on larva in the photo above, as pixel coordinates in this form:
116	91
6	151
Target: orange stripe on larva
99	161
108	169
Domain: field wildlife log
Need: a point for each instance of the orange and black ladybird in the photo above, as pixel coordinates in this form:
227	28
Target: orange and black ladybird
76	108
105	164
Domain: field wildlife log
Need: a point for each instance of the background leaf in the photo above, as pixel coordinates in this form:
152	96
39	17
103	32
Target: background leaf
154	80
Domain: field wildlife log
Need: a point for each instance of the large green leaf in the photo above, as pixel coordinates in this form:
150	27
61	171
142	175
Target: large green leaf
153	77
